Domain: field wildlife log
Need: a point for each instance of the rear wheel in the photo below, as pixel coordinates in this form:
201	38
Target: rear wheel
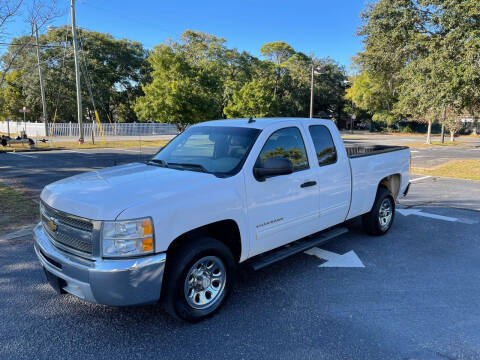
199	278
380	219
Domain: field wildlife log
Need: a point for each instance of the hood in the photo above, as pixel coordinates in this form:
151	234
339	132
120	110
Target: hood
104	194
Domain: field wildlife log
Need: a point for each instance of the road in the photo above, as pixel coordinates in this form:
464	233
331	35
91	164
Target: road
418	296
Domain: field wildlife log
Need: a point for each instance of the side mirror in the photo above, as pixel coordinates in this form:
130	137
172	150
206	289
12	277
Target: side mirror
273	167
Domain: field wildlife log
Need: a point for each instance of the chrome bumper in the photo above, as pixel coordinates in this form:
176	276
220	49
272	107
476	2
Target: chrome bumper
109	282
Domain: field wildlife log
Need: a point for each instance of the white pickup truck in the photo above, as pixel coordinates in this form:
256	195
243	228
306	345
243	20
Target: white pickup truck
176	227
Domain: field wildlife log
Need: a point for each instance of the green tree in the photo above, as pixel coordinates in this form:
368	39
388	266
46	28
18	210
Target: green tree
425	53
255	99
185	87
370	95
287	73
112	71
11	99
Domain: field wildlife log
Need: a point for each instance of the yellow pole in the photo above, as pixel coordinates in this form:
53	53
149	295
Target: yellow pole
100	125
114	127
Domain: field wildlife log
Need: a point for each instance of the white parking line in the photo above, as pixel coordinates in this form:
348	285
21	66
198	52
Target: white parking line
78	152
421	178
14	153
128	150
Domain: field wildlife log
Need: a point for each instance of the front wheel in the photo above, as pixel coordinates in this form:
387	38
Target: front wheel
380	219
199	278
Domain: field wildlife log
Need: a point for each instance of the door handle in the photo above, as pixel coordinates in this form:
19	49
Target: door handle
308	183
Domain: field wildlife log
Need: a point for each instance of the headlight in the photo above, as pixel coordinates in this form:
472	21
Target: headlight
127	238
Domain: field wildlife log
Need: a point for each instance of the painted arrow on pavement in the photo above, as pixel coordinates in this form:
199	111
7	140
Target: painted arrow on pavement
349	259
419	212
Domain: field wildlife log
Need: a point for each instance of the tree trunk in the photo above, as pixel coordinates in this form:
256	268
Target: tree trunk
429	132
452	136
443	124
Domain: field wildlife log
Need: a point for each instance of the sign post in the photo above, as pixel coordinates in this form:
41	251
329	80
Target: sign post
24	110
351	122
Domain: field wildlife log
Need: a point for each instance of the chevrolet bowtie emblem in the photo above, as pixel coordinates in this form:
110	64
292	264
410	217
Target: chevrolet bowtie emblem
52	226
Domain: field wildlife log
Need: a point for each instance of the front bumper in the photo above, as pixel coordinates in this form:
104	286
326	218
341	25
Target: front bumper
110	282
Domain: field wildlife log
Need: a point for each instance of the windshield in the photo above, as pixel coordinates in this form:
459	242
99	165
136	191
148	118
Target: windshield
219	150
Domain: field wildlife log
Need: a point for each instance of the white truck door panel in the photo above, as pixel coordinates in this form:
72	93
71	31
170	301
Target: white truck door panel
279	209
333	176
334	186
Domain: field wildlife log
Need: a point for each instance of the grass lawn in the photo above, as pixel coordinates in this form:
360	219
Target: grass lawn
435	143
88	145
460	169
17	209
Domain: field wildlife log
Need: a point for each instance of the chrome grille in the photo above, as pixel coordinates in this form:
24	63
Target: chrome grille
67	219
68	232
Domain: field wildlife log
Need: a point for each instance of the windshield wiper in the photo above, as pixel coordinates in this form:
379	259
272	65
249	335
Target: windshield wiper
160	162
198	167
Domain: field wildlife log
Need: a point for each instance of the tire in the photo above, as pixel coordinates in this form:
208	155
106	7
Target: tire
198	279
380	219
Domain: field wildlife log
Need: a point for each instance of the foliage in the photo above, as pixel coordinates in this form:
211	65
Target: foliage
187	82
254	99
371	95
37	14
11	95
419	57
112	71
194	79
199	78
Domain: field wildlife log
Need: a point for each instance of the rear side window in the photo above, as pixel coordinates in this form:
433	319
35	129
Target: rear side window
286	143
324	146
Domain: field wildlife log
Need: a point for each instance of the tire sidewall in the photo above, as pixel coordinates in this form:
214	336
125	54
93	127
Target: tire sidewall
185	260
386	194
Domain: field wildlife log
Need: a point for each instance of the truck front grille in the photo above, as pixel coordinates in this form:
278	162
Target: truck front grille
68	232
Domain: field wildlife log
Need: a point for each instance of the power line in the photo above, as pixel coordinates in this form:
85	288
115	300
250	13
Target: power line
28	44
33	67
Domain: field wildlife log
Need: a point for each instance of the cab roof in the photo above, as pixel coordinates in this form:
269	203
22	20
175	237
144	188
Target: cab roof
257	123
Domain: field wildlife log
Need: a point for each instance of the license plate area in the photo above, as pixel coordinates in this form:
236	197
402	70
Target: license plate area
55	282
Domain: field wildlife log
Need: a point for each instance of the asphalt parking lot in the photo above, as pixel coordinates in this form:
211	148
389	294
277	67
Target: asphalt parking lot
417	296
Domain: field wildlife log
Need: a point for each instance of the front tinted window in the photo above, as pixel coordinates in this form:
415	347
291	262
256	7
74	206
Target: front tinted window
220	150
324	147
285	143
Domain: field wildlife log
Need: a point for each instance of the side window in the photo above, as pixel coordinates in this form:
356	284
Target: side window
285	143
324	146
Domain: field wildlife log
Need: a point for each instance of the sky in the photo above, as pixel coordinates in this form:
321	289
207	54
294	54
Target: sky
322	27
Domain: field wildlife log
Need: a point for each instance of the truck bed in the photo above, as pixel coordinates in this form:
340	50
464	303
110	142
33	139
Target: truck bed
355	150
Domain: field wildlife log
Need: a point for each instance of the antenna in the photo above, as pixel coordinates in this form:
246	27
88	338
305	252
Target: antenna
251	120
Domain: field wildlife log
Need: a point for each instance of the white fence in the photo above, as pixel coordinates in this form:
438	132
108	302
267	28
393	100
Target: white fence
71	129
14	127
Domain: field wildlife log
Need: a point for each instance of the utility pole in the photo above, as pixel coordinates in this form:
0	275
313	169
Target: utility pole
42	89
316	70
77	74
311	93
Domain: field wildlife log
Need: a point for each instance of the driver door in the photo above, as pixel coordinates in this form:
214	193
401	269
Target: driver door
282	208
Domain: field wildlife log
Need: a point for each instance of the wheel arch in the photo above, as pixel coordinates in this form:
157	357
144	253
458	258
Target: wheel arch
226	231
392	183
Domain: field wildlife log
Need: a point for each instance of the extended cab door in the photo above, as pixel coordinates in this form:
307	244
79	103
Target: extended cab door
333	174
283	208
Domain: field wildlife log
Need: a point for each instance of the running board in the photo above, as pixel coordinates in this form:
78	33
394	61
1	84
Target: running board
296	247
